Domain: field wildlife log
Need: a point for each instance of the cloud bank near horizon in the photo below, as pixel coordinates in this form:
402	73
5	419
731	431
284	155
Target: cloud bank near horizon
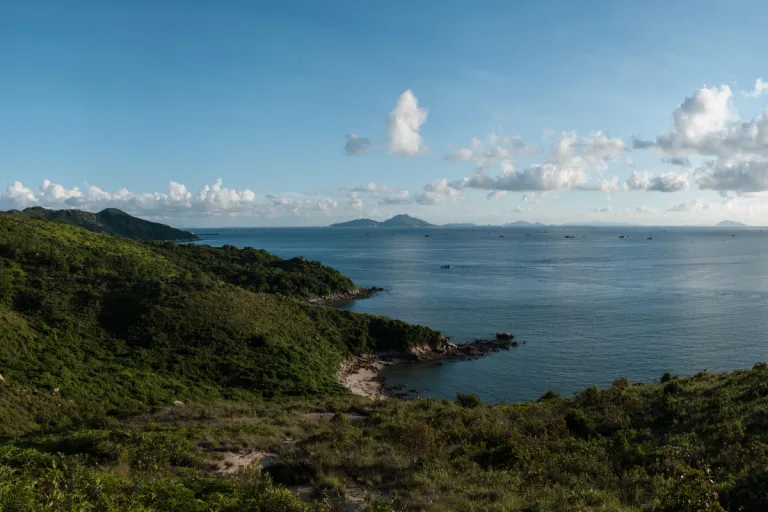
712	147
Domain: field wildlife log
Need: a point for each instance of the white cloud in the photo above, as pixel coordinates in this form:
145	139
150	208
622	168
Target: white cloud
438	192
567	167
666	182
496	150
598	146
760	88
403	125
677	160
707	125
20	195
355	202
536	178
697	122
644	209
606	185
178	202
630	162
606	209
496	194
356	145
744	176
690	206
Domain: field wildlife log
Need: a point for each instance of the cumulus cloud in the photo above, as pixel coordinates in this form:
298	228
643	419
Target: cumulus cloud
690	206
608	185
707	125
496	149
606	209
666	182
567	167
497	194
403	125
438	192
356	145
536	178
760	88
743	176
177	202
630	162
677	160
644	209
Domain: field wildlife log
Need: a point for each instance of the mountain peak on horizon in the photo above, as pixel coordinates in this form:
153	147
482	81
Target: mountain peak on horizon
402	220
731	224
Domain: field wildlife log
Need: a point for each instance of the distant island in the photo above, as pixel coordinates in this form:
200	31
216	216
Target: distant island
598	223
731	224
523	224
398	221
110	221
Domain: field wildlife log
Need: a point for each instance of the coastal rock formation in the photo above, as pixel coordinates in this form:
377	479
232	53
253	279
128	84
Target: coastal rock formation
362	374
504	336
340	298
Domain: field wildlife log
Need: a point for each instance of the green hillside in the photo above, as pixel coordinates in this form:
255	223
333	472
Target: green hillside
119	326
111	222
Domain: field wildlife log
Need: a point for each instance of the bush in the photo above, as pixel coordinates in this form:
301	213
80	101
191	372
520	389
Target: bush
468	400
548	395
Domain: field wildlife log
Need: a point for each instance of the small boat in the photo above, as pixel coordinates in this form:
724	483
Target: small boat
622	236
445	266
649	238
569	236
426	236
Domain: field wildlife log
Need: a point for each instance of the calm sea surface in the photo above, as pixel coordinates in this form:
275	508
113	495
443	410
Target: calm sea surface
592	308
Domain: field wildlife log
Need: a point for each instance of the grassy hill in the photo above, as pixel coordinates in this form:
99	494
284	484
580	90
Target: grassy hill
110	221
118	326
100	335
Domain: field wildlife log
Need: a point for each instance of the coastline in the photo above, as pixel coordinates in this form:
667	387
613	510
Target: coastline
341	298
363	375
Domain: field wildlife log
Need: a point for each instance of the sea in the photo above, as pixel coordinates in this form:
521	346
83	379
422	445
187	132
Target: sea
607	303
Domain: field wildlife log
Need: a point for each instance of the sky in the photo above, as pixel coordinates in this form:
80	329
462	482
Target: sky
298	112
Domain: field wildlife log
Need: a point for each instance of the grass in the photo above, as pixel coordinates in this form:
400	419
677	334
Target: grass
632	447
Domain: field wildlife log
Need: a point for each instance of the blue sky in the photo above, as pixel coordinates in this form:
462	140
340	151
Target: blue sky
260	95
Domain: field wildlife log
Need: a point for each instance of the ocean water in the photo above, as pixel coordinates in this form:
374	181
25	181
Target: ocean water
592	308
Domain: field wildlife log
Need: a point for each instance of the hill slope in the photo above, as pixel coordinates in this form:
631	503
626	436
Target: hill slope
111	222
117	326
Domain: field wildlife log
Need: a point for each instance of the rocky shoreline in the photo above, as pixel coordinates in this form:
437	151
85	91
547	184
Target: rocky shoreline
362	375
341	298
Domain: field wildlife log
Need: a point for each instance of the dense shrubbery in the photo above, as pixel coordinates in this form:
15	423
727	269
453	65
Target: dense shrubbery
257	270
118	326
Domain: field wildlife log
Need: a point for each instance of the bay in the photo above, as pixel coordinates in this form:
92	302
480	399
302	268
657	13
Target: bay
592	308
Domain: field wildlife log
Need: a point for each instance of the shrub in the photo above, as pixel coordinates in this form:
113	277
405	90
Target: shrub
468	400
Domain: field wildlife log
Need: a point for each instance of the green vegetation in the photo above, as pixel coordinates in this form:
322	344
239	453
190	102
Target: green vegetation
257	270
100	335
118	327
110	221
